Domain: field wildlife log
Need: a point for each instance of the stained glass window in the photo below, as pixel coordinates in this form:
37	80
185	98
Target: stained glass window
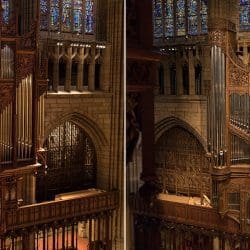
43	14
78	15
54	14
89	16
169	18
192	17
244	15
180	18
203	13
158	25
6	11
66	15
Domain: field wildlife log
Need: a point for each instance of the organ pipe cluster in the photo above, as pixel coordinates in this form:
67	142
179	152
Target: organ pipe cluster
7	62
6	146
240	151
217	108
24	118
240	111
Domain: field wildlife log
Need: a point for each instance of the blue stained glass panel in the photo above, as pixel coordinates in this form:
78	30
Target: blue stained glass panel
169	26
203	7
192	17
44	14
180	7
6	11
181	29
244	1
78	20
193	25
54	18
43	6
169	9
180	18
157	12
244	15
203	12
89	16
66	15
192	8
204	28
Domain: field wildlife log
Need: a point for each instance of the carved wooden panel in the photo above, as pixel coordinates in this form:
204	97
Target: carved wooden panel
181	158
6	93
49	212
238	76
24	66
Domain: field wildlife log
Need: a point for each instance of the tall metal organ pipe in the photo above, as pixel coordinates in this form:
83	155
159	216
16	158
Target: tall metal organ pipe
24	118
6	146
217	108
7	62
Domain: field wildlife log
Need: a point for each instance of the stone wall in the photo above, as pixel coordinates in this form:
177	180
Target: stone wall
92	112
190	109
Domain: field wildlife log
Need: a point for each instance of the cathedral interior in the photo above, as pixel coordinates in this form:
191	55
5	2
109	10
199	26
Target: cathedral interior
188	124
61	124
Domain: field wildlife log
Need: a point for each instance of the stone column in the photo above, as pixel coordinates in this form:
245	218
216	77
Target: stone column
191	73
68	69
80	70
105	69
92	69
56	69
167	83
179	80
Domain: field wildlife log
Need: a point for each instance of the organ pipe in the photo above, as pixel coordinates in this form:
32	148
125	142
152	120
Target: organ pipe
7	63
240	111
6	134
240	151
24	118
217	109
40	124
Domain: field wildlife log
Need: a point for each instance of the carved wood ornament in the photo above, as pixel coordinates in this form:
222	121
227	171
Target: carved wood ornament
25	66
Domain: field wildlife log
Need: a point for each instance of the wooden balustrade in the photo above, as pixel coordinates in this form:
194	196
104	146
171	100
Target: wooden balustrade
198	216
48	212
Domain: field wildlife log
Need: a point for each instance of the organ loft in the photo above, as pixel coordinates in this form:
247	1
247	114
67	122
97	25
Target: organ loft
61	124
188	115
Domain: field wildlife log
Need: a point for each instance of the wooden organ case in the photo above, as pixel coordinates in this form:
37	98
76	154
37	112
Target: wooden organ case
225	161
69	223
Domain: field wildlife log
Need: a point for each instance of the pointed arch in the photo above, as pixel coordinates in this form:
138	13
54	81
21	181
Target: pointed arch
91	127
172	121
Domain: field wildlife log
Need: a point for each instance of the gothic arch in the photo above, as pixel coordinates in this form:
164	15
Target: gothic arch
179	154
91	128
172	121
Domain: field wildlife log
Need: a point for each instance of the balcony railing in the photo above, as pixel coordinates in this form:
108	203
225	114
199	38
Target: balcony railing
48	212
204	217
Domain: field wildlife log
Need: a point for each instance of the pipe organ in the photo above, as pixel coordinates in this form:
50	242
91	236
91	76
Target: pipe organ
217	108
240	111
6	146
24	118
40	123
240	151
7	62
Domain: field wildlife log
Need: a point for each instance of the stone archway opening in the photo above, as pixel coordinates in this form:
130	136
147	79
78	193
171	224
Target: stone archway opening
182	165
71	162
